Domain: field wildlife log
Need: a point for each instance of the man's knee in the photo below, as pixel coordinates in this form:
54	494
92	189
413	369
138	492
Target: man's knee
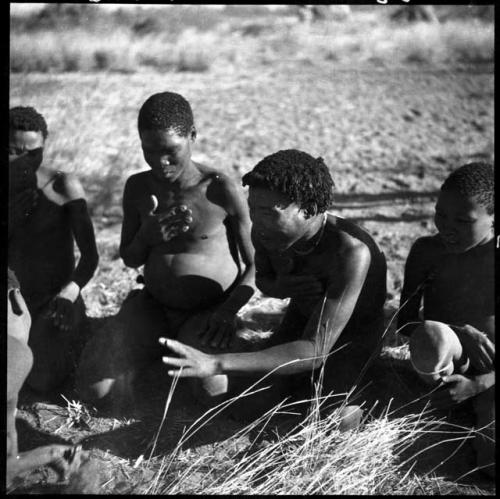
433	345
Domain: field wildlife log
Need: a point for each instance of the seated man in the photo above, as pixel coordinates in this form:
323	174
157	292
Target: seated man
453	272
47	214
63	458
331	269
188	224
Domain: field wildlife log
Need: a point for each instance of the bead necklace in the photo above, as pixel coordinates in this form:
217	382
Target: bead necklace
317	238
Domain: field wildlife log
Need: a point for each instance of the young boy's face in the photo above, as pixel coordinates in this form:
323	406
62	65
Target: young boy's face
26	149
166	152
277	221
462	222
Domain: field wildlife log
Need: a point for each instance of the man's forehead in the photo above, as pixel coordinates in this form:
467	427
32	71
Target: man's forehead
27	137
458	202
268	197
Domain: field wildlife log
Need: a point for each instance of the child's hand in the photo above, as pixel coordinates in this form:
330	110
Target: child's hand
298	286
61	311
159	228
477	346
221	328
456	389
193	362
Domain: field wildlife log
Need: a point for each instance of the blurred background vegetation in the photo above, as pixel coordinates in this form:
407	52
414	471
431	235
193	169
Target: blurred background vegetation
128	39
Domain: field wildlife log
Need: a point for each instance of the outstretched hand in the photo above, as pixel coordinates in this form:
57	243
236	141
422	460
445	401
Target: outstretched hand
191	363
161	227
477	346
456	389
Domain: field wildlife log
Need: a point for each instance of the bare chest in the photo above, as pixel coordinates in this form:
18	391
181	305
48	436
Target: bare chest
207	216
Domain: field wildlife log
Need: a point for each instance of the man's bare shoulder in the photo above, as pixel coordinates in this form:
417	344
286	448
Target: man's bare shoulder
222	188
348	238
59	186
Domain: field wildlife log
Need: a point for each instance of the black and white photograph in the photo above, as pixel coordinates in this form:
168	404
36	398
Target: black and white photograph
251	249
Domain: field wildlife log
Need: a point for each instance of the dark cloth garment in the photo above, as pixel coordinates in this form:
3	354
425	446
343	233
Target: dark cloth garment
55	352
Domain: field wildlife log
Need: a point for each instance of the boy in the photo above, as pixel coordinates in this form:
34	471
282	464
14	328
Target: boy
47	213
63	458
331	269
453	272
188	224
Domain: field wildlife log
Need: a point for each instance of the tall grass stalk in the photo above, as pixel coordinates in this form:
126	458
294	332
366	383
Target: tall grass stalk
314	457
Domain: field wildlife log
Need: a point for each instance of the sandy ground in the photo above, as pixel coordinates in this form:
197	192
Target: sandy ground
390	138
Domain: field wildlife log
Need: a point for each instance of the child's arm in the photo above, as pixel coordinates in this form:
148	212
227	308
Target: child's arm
133	249
139	235
223	321
416	271
322	331
83	232
75	206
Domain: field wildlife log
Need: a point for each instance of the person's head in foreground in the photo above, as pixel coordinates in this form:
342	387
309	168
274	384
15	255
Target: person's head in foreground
167	133
18	316
27	134
289	191
465	208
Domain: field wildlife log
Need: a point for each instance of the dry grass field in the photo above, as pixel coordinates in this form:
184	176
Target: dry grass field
392	109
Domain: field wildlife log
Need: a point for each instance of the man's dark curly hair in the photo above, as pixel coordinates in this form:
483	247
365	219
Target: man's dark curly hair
165	111
304	179
28	119
474	180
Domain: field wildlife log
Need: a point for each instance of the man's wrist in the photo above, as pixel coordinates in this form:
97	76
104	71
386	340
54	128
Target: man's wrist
218	360
70	292
484	381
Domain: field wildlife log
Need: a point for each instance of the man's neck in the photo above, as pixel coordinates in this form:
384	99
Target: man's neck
315	226
189	177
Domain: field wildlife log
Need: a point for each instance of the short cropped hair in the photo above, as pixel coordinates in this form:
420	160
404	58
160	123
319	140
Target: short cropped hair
474	180
296	174
165	111
12	281
28	119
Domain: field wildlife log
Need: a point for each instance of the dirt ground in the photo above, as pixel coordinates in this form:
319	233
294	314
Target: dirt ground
390	138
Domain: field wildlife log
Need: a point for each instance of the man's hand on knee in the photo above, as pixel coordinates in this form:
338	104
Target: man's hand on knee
62	312
456	389
477	346
220	330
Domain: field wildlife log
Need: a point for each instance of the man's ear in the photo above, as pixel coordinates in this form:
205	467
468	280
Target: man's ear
193	134
310	209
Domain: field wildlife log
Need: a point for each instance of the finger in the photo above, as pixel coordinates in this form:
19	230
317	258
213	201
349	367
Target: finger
153	204
182	373
489	347
209	334
219	336
176	362
226	341
177	347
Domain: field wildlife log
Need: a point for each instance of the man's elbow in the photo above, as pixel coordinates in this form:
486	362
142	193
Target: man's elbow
129	260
